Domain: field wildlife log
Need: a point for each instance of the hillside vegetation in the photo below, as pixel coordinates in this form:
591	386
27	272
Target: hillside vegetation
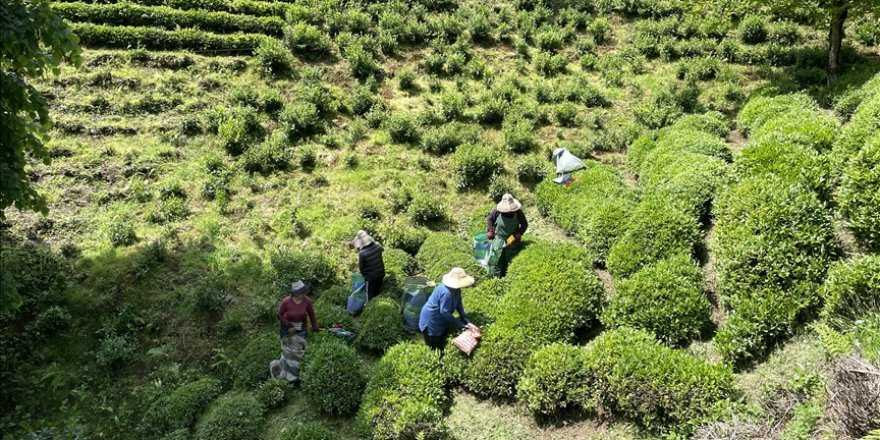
712	273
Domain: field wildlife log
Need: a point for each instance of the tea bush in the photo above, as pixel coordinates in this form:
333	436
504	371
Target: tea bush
770	233
167	211
272	57
309	265
426	209
404	396
658	227
360	61
797	164
850	290
481	302
273	393
402	128
446	138
251	366
442	251
710	122
658	388
238	128
333	375
554	380
753	30
692	180
491	110
180	409
121	232
234	416
125	37
402	235
498	363
665	298
307	431
519	135
306	38
473	164
271	155
533	169
381	325
857	194
300	119
758	111
806	127
863	125
693	142
329	313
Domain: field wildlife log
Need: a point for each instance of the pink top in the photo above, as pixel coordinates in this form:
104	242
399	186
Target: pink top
290	313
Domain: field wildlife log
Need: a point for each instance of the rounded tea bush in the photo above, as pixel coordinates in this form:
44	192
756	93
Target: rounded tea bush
381	325
251	367
658	227
807	127
442	251
307	431
665	298
690	179
498	363
180	409
402	128
273	393
793	163
753	30
330	314
858	195
864	124
661	389
233	417
473	164
398	266
762	109
333	377
481	302
554	380
691	141
851	289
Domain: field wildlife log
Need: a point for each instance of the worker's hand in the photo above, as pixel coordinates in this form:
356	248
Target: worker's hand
473	328
517	237
291	331
490	235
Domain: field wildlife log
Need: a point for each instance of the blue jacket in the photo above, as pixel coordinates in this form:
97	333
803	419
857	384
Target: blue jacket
436	315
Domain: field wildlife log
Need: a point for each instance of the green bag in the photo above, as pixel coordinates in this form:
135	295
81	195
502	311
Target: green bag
480	244
416	291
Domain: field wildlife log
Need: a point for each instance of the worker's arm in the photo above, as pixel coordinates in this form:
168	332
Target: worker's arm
523	223
361	262
281	317
490	222
312	317
447	306
460	308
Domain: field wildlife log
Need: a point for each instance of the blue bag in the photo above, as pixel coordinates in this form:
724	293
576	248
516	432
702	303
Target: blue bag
416	291
358	298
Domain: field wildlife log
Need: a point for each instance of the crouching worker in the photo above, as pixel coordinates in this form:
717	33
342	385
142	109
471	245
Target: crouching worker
505	226
437	317
295	309
370	262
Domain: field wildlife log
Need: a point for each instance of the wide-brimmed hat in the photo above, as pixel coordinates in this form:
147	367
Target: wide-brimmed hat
298	287
508	204
361	239
457	279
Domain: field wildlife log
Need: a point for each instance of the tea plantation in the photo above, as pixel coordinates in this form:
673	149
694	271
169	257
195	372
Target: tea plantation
712	273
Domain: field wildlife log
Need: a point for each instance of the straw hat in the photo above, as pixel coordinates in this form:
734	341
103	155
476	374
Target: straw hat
298	287
508	204
361	239
457	279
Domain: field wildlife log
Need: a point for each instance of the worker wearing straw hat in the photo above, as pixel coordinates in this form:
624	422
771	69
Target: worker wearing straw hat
370	262
505	226
437	314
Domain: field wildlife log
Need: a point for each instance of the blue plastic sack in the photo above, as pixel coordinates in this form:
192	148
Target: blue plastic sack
357	300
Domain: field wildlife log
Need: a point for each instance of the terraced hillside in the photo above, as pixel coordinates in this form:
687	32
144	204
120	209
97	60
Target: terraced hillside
709	274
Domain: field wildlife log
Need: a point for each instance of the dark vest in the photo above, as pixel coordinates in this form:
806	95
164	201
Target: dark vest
370	261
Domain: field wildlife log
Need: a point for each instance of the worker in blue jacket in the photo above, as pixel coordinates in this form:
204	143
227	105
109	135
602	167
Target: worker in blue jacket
437	317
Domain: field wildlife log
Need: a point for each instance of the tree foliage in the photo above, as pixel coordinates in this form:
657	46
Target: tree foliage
33	41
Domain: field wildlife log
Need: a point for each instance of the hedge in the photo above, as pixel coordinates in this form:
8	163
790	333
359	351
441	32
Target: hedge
770	233
665	298
800	126
555	379
307	431
251	367
132	14
659	227
660	389
180	409
710	122
864	124
693	141
333	377
381	325
498	363
404	396
594	207
858	196
852	289
233	417
690	179
481	302
796	164
124	37
758	111
248	7
442	251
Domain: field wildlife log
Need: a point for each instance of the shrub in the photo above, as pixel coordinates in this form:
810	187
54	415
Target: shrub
167	211
850	290
362	99
497	365
402	128
307	431
398	266
234	416
857	194
273	393
49	322
381	325
114	351
658	227
665	298
406	79
446	138
600	29
238	128
442	251
125	37
269	156
770	233
566	114
360	61
793	163
307	159
404	396
473	164
758	111
251	366
550	65
300	119
684	140
863	125
425	209
333	375
306	38
554	380
699	69
481	302
311	266
709	122
329	313
533	169
179	409
402	235
121	232
807	127
519	135
753	30
659	388
272	57
491	110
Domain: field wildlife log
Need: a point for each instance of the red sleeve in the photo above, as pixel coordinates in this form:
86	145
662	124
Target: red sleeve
281	317
312	317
